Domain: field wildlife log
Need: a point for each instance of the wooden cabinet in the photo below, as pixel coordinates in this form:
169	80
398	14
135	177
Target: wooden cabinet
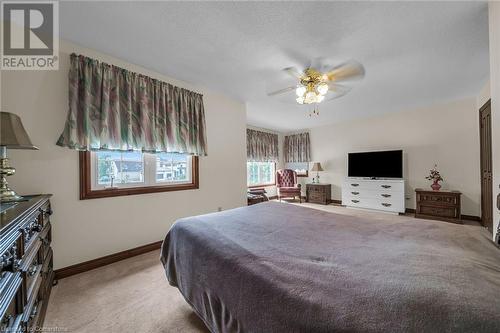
26	273
319	193
439	205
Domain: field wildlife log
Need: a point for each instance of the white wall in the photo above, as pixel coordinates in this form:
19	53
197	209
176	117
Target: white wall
484	95
445	134
84	230
494	23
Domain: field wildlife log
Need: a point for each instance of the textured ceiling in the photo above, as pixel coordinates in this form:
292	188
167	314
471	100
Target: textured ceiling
415	53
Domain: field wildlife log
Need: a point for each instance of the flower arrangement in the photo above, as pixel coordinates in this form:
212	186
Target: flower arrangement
435	176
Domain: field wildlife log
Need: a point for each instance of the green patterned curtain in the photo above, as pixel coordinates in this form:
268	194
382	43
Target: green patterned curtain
262	146
112	108
297	148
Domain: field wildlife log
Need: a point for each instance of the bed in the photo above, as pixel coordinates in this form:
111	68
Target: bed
277	267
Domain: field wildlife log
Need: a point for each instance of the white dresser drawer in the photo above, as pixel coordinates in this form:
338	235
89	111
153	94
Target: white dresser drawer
375	185
385	195
377	194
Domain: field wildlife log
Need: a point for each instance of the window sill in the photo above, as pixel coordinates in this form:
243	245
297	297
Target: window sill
262	185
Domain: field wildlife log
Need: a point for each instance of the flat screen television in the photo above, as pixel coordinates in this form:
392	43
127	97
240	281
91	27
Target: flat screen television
376	164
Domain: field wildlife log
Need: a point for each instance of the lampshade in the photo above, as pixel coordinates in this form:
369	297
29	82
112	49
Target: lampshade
317	167
12	134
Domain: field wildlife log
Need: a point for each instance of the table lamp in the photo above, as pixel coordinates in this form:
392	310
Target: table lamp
12	136
317	167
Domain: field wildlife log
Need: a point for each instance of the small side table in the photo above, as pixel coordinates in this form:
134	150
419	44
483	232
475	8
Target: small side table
319	193
439	205
255	196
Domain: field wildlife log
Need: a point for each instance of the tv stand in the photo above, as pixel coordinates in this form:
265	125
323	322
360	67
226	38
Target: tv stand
379	194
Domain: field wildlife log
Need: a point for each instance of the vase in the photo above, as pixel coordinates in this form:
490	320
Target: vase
435	186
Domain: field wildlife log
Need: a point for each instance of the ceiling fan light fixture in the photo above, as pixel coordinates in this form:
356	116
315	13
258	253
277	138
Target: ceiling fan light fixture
311	97
300	91
322	88
300	99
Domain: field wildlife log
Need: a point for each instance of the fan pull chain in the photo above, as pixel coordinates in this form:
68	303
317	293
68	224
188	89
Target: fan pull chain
315	111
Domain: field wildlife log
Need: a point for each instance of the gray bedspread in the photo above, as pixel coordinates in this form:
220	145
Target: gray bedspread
276	267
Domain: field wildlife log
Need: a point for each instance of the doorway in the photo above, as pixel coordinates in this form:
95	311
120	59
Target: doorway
486	166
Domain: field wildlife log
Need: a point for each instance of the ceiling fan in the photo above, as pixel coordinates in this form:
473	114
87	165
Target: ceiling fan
315	86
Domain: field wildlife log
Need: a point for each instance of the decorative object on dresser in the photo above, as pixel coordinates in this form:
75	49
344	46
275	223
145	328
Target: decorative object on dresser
319	193
379	194
287	185
12	136
317	167
26	272
438	205
435	176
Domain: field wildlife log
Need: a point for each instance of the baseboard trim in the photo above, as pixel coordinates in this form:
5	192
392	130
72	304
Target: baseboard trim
464	217
106	260
337	202
471	218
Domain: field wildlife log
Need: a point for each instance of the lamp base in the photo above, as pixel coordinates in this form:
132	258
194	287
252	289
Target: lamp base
6	194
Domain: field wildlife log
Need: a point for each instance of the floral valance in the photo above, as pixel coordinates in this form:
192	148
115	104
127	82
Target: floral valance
262	146
297	148
115	109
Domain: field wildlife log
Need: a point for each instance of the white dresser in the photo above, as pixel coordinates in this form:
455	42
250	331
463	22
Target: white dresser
384	195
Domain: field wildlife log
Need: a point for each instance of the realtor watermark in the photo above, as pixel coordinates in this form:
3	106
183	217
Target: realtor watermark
30	35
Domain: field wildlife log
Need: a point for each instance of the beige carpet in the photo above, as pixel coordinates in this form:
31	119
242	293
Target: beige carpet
133	295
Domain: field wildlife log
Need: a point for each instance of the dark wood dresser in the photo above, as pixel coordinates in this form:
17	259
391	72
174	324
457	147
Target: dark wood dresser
439	205
26	272
319	193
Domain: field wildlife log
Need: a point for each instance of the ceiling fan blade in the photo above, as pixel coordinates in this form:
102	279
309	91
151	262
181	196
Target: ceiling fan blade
349	70
293	71
281	91
336	91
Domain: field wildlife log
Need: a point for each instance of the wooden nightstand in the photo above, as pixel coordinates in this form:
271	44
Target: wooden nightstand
438	205
319	193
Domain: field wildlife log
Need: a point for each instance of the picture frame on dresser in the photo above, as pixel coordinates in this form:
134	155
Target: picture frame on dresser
26	264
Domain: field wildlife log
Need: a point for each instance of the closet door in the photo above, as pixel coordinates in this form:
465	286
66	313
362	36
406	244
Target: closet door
486	167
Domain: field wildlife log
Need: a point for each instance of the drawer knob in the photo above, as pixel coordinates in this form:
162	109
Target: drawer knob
32	270
386	186
34	311
355	193
355	185
355	201
386	195
6	320
386	204
47	211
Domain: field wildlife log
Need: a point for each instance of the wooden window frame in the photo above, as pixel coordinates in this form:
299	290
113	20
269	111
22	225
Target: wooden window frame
266	185
86	191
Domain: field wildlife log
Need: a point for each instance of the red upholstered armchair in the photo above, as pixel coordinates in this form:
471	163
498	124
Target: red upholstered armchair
286	184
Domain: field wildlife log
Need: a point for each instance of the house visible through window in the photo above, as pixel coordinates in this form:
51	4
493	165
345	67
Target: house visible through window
114	173
260	173
131	169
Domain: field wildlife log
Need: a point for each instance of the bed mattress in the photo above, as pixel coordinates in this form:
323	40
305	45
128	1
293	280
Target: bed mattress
277	267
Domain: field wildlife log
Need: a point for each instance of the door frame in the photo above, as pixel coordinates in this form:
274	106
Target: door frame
483	200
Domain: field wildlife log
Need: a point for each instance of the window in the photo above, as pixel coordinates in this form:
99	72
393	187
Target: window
111	173
260	173
301	168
